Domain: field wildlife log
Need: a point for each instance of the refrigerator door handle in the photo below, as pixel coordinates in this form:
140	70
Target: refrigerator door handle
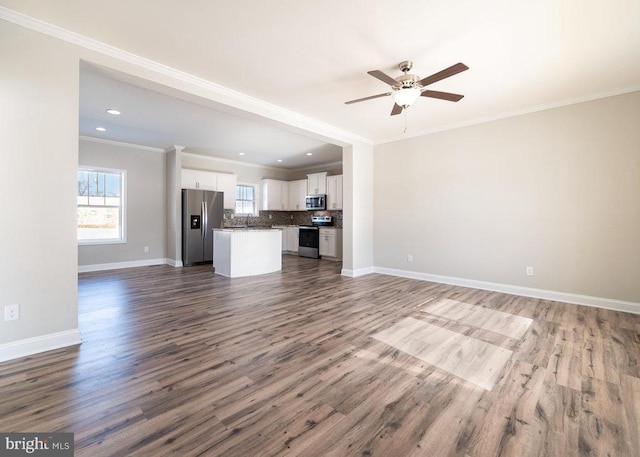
205	223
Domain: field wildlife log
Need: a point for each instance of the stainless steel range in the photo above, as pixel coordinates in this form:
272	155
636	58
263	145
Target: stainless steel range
309	236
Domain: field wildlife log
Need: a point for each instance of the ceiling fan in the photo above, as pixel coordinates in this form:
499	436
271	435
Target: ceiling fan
407	87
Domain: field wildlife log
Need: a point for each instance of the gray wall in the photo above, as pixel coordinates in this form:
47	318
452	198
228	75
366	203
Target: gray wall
145	203
39	148
558	190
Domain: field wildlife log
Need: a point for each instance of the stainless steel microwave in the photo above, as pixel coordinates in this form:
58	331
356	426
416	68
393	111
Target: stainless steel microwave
316	202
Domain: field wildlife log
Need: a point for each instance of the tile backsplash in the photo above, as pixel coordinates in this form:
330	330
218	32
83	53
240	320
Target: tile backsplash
268	218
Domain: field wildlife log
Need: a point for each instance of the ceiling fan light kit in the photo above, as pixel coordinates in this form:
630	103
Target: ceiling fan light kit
405	97
408	87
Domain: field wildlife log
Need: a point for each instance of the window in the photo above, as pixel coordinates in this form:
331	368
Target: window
245	199
100	203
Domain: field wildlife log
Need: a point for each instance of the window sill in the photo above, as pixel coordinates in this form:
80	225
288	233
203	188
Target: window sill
99	242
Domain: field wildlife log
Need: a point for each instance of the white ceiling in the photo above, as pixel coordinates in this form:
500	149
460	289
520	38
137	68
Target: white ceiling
311	56
160	118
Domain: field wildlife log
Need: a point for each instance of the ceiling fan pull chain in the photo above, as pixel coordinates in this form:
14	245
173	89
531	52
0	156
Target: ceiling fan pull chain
404	116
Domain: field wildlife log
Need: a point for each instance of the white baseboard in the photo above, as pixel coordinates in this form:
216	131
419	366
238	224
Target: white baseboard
174	263
118	265
358	272
30	346
586	300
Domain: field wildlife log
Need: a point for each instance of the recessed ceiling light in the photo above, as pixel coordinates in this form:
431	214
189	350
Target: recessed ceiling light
241	153
309	153
115	112
279	160
101	129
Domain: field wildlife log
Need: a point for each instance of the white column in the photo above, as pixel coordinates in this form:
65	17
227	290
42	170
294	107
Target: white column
357	164
174	206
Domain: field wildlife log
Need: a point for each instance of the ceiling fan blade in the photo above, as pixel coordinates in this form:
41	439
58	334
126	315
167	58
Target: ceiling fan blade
397	109
367	98
384	78
452	70
442	95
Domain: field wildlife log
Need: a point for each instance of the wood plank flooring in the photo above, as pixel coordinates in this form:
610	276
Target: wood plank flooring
181	362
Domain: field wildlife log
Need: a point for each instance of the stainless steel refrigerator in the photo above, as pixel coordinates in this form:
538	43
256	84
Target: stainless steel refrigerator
202	211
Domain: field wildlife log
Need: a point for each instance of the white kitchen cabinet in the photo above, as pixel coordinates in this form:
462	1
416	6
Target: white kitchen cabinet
209	180
293	233
274	195
289	237
284	229
297	195
331	243
334	192
198	179
317	183
227	184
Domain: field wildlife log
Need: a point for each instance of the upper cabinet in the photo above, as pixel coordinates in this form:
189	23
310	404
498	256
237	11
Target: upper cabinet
274	195
198	179
208	180
297	195
317	183
227	184
334	192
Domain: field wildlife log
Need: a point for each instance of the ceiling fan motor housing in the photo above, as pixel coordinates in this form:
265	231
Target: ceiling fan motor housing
407	81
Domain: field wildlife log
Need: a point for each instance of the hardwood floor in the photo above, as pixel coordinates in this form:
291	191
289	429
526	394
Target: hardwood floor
309	363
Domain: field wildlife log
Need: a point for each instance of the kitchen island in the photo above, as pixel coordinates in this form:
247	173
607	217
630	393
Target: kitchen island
239	252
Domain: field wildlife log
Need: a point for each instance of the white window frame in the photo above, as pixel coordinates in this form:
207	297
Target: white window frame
123	206
254	212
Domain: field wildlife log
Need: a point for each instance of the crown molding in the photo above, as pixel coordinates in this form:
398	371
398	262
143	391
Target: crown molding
318	167
224	95
234	162
257	165
515	113
120	143
268	110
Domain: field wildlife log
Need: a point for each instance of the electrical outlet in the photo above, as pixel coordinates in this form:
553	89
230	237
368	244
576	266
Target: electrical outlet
146	249
529	271
270	216
11	312
409	258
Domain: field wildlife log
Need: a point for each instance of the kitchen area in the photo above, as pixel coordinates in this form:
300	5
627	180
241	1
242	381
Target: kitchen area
300	217
309	213
217	151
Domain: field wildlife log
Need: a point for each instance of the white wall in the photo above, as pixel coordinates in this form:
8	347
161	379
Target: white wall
145	203
558	190
252	173
39	149
174	205
246	173
358	209
331	169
